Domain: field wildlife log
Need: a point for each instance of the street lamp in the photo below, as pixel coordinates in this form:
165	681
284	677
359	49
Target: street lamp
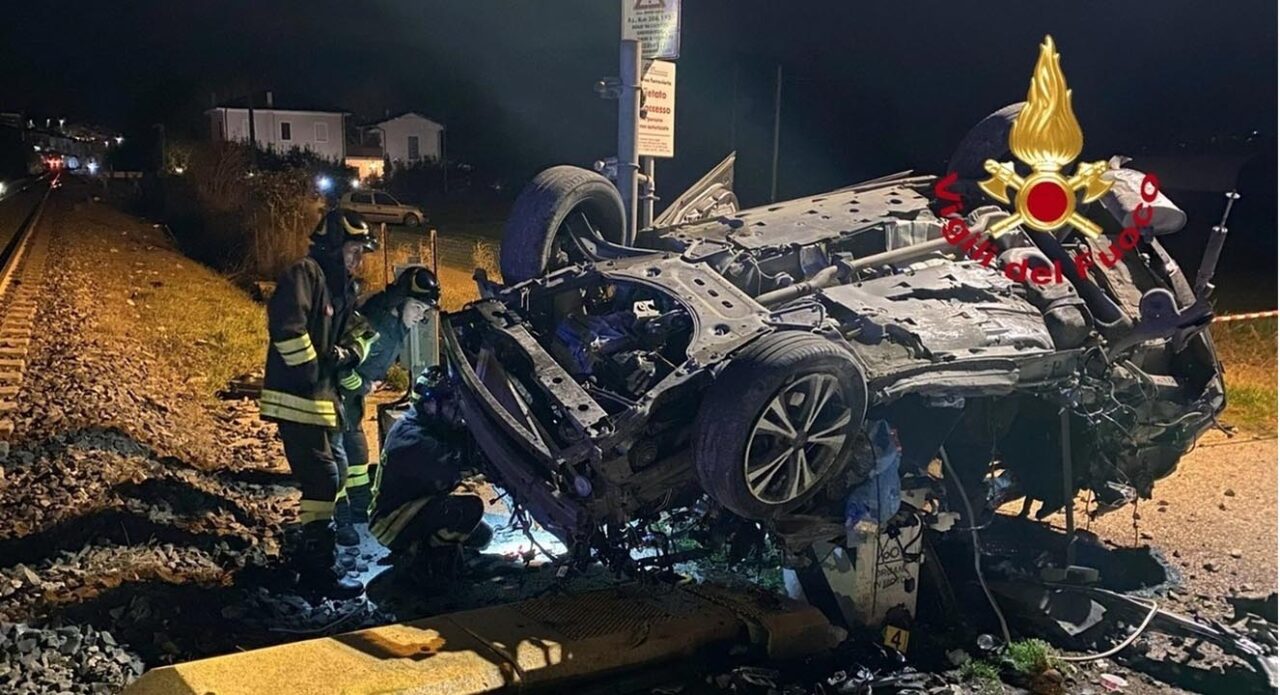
119	139
324	183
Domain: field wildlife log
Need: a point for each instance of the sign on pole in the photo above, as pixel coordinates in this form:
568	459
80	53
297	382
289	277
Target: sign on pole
656	129
655	24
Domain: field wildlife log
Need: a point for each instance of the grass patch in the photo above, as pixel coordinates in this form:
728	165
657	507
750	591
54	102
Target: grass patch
212	329
177	310
983	675
1031	657
1248	353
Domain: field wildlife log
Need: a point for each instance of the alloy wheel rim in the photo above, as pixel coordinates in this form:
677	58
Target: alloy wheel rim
796	439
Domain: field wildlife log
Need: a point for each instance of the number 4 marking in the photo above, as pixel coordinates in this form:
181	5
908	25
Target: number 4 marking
896	638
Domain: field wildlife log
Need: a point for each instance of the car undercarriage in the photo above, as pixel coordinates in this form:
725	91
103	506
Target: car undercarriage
740	363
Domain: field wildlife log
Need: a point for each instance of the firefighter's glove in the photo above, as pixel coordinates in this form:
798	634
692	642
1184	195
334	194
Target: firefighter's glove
341	358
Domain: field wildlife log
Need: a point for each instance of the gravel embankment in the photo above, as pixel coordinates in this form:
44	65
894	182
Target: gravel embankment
131	504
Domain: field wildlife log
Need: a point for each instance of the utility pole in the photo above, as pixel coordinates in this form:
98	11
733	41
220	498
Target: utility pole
777	129
628	117
733	112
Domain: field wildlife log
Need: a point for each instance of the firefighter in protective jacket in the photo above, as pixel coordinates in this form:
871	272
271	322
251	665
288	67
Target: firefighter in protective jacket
388	316
420	511
312	303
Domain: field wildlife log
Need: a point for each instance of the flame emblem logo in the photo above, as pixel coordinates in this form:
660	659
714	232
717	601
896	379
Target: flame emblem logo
1046	137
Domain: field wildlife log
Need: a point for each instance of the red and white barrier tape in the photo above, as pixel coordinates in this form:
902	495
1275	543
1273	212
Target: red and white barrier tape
1247	317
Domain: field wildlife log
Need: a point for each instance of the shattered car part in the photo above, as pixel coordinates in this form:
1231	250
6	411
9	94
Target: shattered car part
740	355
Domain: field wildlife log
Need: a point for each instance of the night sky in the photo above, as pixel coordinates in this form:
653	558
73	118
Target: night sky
869	88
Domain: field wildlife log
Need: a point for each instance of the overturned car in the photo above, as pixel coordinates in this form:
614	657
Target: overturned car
750	357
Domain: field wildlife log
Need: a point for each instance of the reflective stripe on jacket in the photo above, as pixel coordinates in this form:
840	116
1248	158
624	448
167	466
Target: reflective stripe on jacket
303	323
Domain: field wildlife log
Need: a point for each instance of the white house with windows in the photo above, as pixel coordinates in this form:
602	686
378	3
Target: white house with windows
322	133
408	138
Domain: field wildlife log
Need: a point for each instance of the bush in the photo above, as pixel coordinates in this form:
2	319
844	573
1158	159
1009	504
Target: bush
238	219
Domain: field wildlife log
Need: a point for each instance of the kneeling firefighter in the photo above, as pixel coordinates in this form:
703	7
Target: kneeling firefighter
388	316
419	512
313	300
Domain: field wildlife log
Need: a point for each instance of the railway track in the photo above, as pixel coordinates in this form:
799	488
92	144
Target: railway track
22	266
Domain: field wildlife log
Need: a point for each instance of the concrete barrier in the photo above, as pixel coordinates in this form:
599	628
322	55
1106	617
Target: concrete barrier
541	642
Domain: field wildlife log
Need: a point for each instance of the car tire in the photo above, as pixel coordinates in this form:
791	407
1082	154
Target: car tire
738	425
529	246
988	139
411	221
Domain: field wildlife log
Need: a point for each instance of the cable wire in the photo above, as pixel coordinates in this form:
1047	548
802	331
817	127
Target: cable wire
1155	608
977	553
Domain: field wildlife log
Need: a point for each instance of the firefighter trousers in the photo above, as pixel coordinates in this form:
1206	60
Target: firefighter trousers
308	450
435	521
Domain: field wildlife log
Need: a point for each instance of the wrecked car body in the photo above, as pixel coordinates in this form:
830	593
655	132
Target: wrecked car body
747	356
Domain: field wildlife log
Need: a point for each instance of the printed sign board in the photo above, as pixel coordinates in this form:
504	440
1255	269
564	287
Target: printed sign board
656	129
655	24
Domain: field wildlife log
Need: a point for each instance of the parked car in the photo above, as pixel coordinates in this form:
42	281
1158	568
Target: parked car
758	357
380	206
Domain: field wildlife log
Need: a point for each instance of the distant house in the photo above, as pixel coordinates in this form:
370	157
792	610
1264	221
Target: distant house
408	138
366	160
319	131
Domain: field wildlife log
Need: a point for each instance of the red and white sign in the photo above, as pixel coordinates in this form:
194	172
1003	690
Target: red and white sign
656	129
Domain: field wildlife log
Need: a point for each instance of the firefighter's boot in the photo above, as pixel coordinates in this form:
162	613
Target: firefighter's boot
345	532
434	568
359	497
318	572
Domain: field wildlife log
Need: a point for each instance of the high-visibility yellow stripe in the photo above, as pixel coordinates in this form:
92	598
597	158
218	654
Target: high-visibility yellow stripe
297	402
301	357
364	343
314	510
358	476
446	537
289	345
286	406
351	382
342	494
282	413
387	528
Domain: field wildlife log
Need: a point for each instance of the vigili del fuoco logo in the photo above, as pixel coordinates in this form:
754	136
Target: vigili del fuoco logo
1046	137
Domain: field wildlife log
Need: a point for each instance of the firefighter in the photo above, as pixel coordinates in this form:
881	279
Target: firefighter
419	512
313	300
390	315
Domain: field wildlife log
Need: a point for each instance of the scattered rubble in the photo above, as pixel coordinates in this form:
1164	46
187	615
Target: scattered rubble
66	659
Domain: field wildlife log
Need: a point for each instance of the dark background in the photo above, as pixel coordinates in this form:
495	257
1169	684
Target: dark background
868	88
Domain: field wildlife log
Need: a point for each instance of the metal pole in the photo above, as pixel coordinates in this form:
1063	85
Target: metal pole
1068	487
435	255
386	259
733	113
628	117
777	129
646	212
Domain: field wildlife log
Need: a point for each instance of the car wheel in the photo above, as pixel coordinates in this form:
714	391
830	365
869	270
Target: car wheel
988	139
412	221
778	423
558	204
